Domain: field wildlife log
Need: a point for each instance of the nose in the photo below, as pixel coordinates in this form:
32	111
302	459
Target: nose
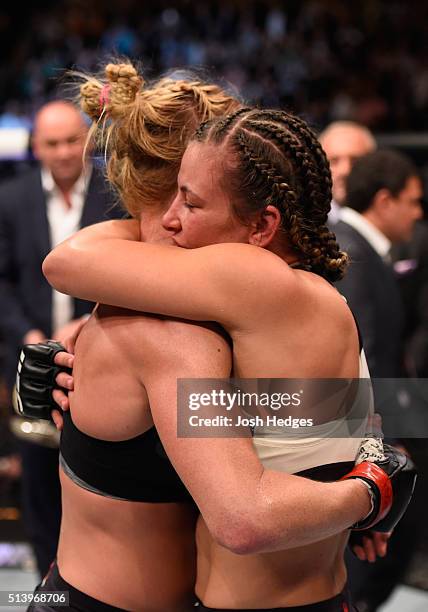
171	220
64	151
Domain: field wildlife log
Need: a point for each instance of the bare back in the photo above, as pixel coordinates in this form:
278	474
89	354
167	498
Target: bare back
316	339
133	555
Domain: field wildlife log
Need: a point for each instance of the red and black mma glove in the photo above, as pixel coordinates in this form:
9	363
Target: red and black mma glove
390	477
35	380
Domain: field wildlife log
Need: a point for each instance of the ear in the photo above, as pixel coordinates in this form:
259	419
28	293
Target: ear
265	227
34	146
382	201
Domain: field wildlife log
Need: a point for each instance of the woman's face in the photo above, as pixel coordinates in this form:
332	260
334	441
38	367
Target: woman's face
201	212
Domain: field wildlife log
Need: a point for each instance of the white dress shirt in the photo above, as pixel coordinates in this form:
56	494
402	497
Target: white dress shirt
335	213
380	243
64	220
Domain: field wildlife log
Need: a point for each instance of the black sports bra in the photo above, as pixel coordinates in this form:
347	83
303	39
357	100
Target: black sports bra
135	470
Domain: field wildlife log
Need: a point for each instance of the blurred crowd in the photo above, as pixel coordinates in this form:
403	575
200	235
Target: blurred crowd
365	61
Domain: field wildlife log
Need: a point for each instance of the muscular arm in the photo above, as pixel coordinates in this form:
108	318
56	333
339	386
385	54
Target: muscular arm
221	282
248	509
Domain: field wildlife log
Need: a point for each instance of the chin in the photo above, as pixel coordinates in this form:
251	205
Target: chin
67	172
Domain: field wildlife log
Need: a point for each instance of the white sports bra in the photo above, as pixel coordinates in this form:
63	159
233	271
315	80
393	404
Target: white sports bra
331	447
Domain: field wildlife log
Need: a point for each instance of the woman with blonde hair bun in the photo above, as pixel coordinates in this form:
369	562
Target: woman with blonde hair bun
128	523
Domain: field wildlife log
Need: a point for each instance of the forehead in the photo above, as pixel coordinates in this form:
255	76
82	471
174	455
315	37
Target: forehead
201	168
412	188
346	142
57	124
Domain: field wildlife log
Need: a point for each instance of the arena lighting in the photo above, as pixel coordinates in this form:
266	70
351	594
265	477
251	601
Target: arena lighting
14	143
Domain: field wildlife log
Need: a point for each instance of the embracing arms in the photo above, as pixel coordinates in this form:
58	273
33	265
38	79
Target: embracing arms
221	282
250	509
247	508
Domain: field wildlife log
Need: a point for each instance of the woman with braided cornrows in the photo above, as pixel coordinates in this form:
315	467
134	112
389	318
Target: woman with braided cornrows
256	178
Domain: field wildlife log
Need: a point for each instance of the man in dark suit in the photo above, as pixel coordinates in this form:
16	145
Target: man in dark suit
384	195
383	201
37	211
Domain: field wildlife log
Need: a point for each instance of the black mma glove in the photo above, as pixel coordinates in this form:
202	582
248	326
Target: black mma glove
390	476
35	380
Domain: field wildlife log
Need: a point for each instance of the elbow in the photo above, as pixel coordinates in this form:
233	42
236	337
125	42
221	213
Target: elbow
243	537
55	269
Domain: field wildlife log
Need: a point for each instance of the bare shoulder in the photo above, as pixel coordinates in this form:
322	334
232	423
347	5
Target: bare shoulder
178	347
200	336
315	302
254	260
148	341
325	316
251	281
315	288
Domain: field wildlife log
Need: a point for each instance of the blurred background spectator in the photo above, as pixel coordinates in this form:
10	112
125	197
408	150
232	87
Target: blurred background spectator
38	210
344	142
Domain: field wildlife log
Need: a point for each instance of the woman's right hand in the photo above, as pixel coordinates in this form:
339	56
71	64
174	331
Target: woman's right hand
35	389
36	378
64	380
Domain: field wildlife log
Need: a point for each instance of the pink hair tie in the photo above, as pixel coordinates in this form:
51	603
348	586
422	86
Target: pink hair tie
104	97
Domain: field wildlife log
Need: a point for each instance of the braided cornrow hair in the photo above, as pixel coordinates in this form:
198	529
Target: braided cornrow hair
280	163
222	126
144	129
310	139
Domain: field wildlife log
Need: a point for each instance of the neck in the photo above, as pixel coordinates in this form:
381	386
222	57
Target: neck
288	255
373	218
66	185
